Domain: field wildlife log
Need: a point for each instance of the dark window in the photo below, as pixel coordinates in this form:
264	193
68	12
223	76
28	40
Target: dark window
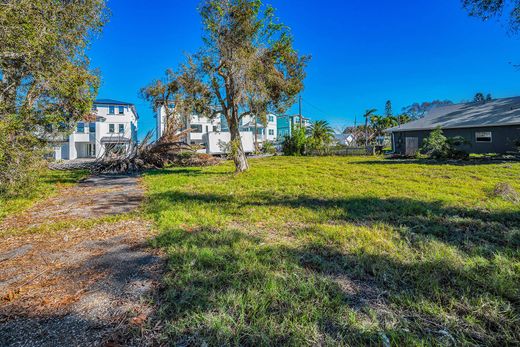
121	128
92	128
484	136
271	131
121	110
196	128
81	127
111	128
111	110
214	128
271	118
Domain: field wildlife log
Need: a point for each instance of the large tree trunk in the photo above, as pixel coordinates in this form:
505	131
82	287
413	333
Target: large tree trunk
237	149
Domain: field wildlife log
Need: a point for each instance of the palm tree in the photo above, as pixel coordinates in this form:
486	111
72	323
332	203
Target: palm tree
321	133
368	115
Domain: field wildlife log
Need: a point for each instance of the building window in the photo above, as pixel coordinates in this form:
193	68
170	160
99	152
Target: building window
111	128
484	136
196	128
80	127
111	109
121	128
271	119
214	128
271	132
92	128
121	110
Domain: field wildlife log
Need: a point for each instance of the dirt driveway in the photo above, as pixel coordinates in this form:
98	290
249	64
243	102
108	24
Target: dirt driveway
75	270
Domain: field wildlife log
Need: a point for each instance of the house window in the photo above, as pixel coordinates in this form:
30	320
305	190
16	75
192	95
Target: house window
92	128
121	110
80	127
271	119
196	128
484	136
271	132
121	128
111	128
111	109
214	128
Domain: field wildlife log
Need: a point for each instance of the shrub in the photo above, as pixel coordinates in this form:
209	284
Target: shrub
268	148
296	143
438	146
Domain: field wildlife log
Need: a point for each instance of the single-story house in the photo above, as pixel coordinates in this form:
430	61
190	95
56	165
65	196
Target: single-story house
490	127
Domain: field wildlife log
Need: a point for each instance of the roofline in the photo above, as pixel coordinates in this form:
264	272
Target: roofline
113	102
396	130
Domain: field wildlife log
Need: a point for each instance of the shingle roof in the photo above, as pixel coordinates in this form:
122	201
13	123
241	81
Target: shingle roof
498	112
111	102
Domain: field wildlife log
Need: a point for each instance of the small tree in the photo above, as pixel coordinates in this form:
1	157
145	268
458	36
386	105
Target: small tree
388	109
320	135
438	146
479	98
295	144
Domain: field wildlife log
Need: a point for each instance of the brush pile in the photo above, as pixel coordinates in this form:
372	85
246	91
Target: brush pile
167	151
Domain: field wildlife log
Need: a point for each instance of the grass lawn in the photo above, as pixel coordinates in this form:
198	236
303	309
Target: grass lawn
338	251
48	183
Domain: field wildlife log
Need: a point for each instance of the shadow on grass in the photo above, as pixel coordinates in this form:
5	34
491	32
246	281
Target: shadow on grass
467	229
227	287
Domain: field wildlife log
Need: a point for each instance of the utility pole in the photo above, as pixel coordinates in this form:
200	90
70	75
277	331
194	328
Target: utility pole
300	111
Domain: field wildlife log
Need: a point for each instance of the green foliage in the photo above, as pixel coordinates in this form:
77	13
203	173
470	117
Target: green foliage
268	148
320	136
45	79
21	157
338	251
438	146
295	144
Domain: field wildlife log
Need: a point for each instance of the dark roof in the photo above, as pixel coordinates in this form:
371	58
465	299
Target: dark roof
497	112
111	102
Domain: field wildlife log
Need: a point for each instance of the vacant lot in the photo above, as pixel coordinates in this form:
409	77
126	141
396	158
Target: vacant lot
308	251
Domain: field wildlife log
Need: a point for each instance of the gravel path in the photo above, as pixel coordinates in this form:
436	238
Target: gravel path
83	284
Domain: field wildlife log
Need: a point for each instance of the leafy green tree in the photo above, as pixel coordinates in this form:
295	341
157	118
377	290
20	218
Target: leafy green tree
320	135
45	78
248	66
487	9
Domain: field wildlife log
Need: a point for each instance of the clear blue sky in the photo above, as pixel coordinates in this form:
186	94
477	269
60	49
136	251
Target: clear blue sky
363	52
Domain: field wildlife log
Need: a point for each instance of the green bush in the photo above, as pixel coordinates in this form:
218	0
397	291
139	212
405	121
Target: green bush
295	144
268	148
438	146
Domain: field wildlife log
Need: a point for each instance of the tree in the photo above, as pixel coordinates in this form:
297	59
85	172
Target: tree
368	114
487	9
388	109
489	98
479	98
45	78
419	110
247	66
320	135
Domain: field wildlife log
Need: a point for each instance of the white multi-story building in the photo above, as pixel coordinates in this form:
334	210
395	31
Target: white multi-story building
113	129
203	129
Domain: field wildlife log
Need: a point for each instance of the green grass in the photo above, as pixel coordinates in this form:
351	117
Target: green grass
48	183
338	251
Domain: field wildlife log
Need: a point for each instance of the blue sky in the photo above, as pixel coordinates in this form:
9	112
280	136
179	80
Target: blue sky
363	52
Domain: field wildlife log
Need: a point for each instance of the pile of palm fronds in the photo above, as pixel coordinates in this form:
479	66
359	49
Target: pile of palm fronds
167	151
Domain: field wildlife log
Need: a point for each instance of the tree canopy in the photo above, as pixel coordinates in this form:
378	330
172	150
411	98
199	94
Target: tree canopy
247	66
487	9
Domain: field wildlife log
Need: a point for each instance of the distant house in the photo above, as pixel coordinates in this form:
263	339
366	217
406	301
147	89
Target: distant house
113	129
491	127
